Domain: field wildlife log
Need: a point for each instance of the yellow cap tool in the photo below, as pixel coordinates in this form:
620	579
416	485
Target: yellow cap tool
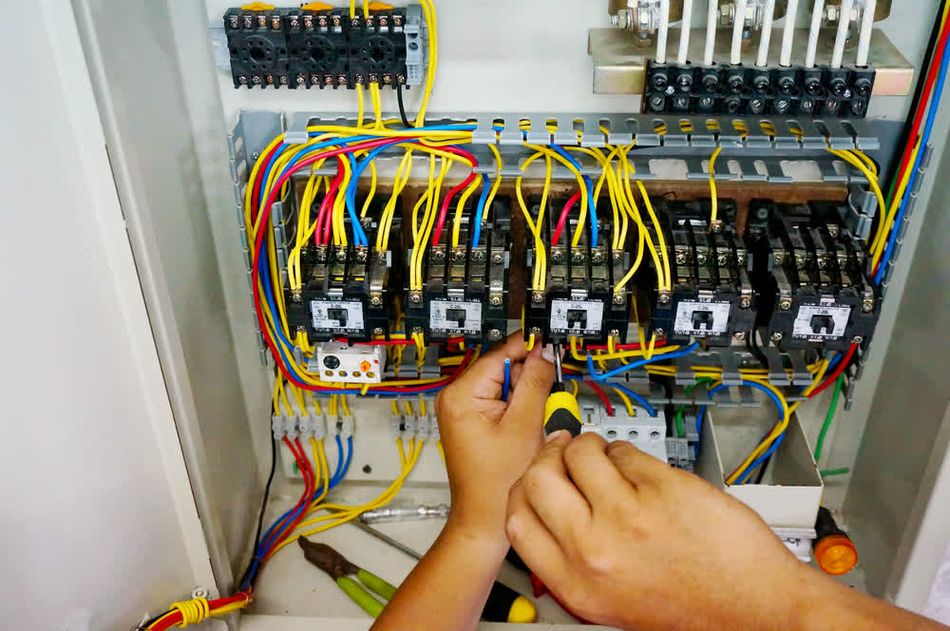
561	410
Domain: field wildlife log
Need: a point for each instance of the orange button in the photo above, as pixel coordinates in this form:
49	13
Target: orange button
365	366
836	554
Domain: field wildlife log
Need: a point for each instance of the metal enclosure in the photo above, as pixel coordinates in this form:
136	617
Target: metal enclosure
166	110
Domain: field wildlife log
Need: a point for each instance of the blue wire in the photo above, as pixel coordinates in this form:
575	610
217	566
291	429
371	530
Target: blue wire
480	211
588	191
761	459
642	402
335	478
506	383
911	184
637	364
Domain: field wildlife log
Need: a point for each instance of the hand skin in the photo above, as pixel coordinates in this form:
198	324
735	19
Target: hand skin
488	445
625	540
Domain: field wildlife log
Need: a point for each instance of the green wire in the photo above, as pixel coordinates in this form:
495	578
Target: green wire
829	418
681	410
830	473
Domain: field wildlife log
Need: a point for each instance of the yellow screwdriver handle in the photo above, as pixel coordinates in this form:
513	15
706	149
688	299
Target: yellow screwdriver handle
562	412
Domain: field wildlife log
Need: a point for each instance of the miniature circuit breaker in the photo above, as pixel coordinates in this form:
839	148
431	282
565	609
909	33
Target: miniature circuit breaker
812	271
346	289
465	289
578	299
713	298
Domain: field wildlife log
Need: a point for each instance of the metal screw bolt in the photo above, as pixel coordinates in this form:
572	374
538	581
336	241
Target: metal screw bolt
681	258
497	258
739	336
438	255
665	298
478	256
537	297
857	339
619	298
779	258
706	102
614	333
379	331
745	302
657	102
494	335
376	301
785	304
701	258
777	336
598	257
659	332
416	330
459	256
536	330
495	301
868	305
415	298
722	259
577	257
296	296
557	256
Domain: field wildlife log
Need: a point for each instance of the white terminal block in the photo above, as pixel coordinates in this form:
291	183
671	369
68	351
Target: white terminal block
314	425
341	426
646	433
291	427
278	426
360	363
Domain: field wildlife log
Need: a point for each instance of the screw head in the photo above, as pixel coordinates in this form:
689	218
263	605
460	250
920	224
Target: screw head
438	255
739	336
379	331
659	332
494	335
478	256
664	298
557	256
459	256
657	102
868	305
857	339
376	301
619	298
497	258
495	301
537	297
681	258
777	336
415	298
785	304
745	302
706	102
296	296
685	82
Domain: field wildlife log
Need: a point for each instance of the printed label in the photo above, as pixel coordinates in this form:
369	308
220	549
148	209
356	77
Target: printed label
817	323
701	319
577	317
337	316
455	317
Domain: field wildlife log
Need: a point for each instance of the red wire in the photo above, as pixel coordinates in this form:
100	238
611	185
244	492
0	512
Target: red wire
444	211
602	395
842	366
562	220
308	493
175	618
927	94
324	216
625	347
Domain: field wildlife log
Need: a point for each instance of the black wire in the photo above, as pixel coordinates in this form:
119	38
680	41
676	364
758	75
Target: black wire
260	515
752	343
145	625
402	106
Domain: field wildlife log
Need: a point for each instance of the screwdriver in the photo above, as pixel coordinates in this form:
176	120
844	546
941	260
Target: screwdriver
503	605
561	410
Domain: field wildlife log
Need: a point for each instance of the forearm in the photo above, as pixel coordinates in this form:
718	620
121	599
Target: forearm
449	586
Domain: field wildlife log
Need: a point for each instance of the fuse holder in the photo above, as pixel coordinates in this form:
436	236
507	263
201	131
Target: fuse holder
836	554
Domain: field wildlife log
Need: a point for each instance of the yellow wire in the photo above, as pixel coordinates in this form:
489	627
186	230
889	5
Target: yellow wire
713	193
431	21
626	401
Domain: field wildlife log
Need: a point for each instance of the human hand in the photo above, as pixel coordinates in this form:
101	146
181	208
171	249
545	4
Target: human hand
489	443
625	540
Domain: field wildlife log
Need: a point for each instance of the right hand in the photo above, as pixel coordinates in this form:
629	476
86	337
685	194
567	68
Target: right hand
625	540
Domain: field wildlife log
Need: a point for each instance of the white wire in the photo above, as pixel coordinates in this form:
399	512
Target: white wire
684	32
867	26
816	12
765	39
712	17
662	31
738	26
844	22
788	36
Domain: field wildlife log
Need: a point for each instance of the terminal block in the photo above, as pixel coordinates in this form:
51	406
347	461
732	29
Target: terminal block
713	298
378	48
257	43
756	91
316	46
578	299
812	273
346	290
319	54
465	288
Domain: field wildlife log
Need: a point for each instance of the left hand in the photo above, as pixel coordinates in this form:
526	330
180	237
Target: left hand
489	443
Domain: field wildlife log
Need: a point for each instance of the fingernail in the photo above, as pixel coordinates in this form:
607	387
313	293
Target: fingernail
548	353
555	435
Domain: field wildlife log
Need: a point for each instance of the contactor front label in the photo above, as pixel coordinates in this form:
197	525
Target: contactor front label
337	316
819	323
577	317
456	318
701	319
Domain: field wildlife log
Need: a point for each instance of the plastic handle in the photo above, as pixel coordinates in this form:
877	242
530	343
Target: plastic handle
562	412
376	584
360	596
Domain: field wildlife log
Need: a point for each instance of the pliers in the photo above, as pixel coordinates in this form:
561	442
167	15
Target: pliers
352	579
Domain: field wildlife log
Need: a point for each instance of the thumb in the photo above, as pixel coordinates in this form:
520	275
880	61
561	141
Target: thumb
531	391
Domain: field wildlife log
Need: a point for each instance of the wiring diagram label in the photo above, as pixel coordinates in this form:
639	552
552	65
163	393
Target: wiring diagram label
577	317
462	317
337	316
699	318
817	323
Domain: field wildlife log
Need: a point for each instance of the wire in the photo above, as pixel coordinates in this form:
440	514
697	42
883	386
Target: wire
260	514
637	364
402	106
506	384
829	418
713	193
